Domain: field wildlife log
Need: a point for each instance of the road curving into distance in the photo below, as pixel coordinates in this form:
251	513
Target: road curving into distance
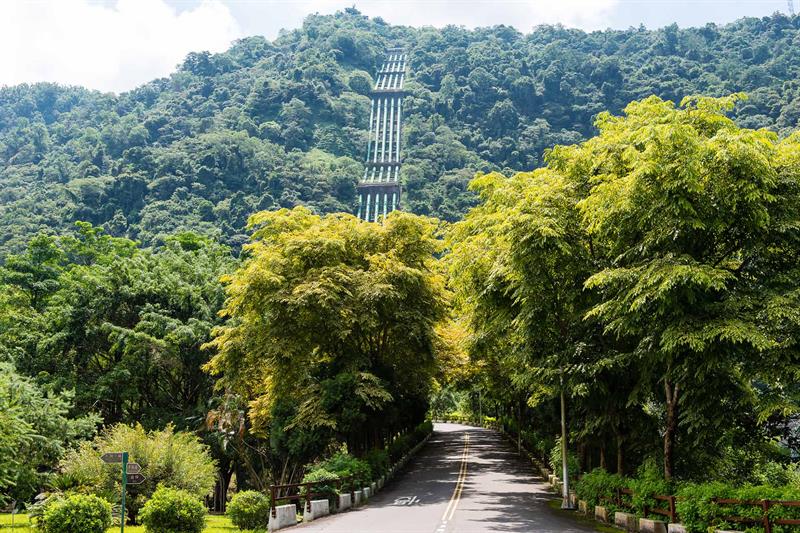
466	480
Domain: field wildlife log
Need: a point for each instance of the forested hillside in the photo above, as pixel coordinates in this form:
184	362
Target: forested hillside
277	124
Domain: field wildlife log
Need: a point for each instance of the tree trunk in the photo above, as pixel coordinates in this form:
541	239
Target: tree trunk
603	456
620	454
565	504
672	393
221	489
519	427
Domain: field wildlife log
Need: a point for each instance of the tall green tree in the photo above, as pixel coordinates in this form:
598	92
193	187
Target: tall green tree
331	329
523	291
37	430
688	211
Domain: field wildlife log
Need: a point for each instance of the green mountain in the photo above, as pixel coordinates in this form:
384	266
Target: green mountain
272	124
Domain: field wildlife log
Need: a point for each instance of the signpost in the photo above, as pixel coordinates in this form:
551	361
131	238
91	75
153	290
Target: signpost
112	458
135	479
130	475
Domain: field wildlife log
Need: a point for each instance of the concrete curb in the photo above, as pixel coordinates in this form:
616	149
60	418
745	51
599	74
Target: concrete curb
286	515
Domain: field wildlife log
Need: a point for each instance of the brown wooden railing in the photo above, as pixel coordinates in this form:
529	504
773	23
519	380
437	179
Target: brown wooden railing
294	491
620	500
765	506
669	511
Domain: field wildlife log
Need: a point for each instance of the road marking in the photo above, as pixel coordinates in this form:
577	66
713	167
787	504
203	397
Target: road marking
459	488
406	500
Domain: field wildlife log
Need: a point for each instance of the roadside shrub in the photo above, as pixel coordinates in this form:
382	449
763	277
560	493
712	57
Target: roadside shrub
320	473
399	447
168	458
539	445
173	511
573	465
39	506
378	461
599	484
698	512
79	513
343	465
648	483
249	510
421	431
695	507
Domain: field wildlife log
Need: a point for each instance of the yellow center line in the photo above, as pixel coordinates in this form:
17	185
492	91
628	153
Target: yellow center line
462	476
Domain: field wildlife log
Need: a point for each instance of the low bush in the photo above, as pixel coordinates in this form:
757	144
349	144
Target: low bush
79	513
173	511
599	484
699	512
320	473
249	510
399	447
342	465
421	431
378	461
648	483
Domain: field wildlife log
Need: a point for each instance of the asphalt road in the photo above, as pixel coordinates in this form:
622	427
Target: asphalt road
466	480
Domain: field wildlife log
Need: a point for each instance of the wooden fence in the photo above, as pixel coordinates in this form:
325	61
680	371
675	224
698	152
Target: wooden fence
622	498
295	492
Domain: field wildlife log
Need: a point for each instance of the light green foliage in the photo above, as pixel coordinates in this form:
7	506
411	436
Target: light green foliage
320	473
332	328
518	263
651	274
78	513
249	510
173	511
168	459
341	465
682	204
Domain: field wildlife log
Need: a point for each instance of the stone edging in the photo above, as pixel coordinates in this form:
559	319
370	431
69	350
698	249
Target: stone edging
286	515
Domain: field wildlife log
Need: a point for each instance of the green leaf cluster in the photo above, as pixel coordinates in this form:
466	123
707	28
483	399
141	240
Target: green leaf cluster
78	513
172	510
249	509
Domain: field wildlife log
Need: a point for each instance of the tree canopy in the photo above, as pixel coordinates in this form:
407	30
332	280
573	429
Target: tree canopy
654	264
332	328
276	124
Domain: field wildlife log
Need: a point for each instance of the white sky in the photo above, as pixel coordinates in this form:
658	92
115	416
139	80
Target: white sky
115	45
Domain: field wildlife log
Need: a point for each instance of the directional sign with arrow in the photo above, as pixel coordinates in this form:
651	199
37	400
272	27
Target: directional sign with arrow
134	468
135	479
112	457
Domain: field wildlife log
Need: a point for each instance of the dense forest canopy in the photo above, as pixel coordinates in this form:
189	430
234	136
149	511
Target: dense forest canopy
282	123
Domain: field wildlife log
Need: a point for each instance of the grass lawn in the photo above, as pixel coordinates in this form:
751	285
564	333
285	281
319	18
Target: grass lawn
216	524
